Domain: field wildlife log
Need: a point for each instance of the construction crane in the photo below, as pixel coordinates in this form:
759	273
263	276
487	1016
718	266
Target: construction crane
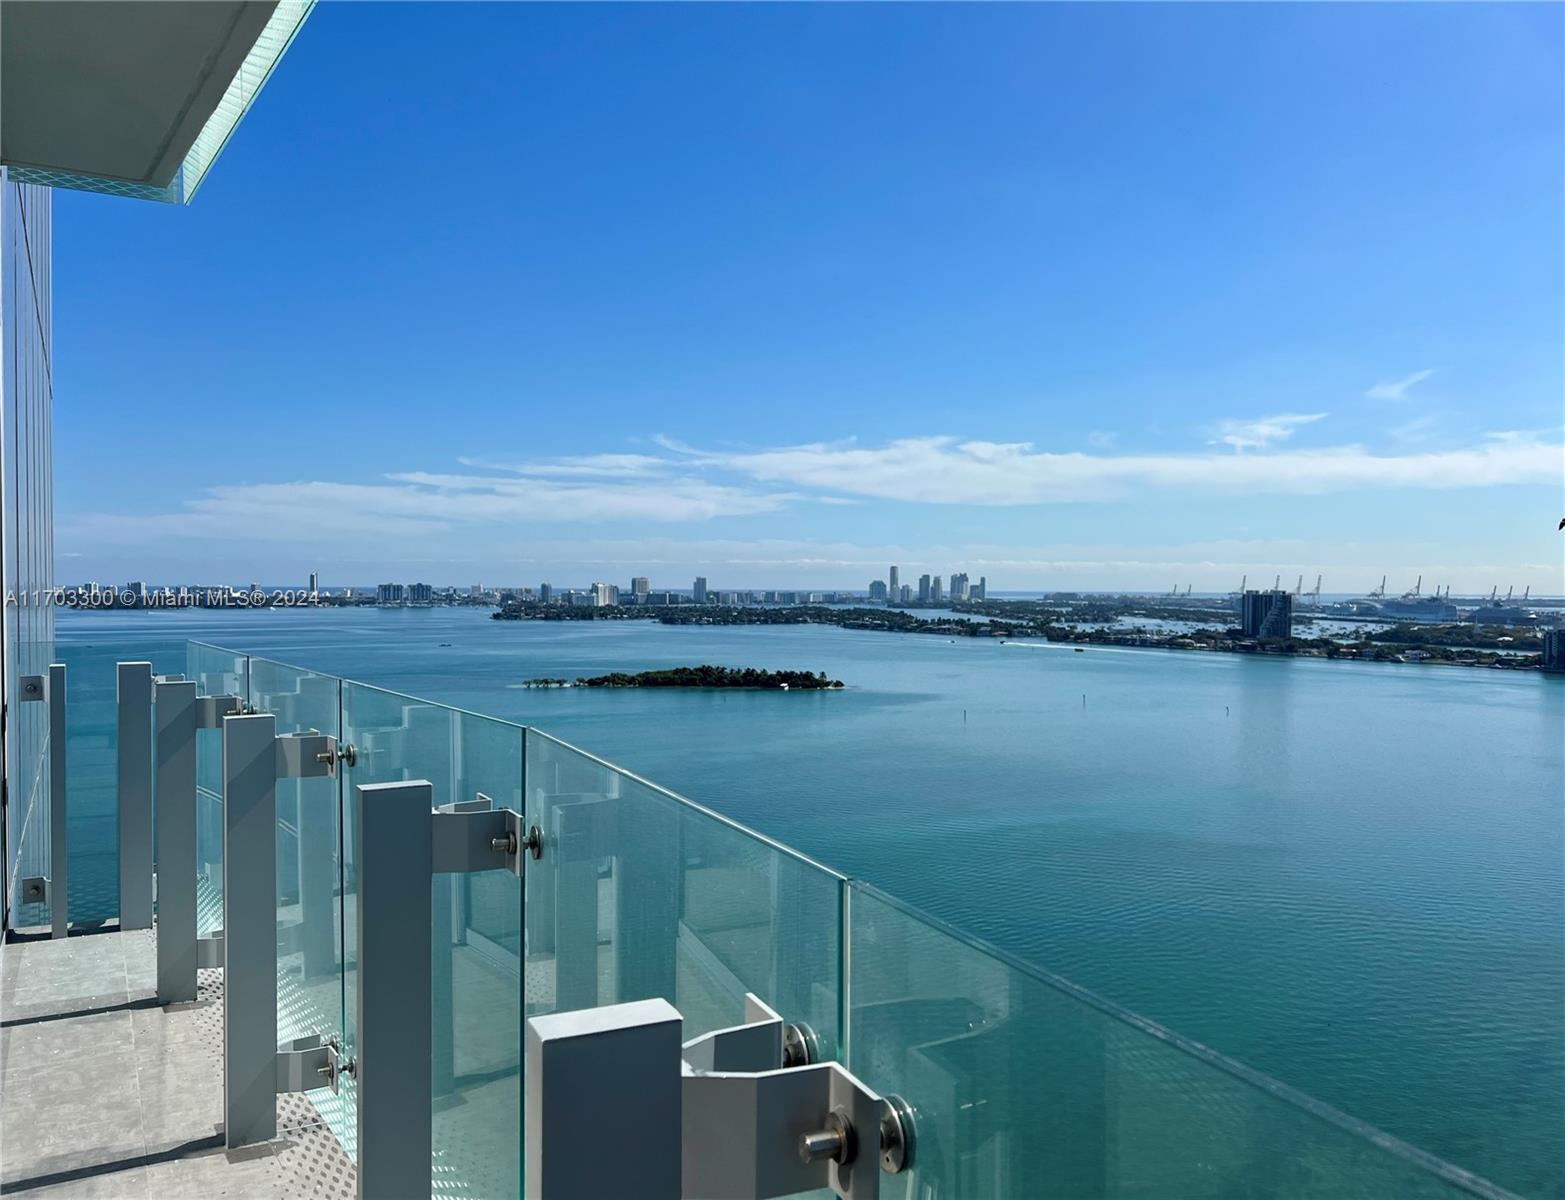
1277	583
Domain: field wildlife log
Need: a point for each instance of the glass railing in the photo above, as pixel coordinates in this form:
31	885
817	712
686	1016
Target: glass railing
643	894
216	672
1027	1085
476	964
1022	1084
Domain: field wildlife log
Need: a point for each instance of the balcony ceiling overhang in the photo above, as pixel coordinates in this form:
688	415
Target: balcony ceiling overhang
131	96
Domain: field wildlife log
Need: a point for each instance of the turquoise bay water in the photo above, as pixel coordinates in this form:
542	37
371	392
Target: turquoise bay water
1350	875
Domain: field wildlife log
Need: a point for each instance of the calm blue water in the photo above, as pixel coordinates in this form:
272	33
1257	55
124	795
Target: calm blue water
1350	875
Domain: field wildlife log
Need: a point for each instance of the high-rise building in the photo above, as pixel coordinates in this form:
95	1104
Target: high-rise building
1266	615
698	590
640	586
981	592
877	589
545	593
893	589
604	595
1554	650
420	593
389	593
315	583
936	590
959	587
923	589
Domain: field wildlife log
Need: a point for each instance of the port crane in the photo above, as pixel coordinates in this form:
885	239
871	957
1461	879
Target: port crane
1380	592
1417	588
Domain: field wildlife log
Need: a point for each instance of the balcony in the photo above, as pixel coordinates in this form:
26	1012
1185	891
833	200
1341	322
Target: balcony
384	898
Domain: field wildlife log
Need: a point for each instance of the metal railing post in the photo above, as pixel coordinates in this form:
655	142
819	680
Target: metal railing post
582	1065
59	857
255	1068
175	721
249	929
53	888
394	833
402	844
133	696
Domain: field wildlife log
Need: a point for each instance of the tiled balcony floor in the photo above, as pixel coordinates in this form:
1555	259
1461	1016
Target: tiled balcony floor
105	1094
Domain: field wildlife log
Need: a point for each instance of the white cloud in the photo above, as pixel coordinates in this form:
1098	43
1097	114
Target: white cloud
943	470
422	505
1397	389
589	466
1100	439
1418	429
1262	431
691	486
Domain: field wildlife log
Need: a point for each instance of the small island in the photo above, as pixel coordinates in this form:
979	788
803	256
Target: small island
703	677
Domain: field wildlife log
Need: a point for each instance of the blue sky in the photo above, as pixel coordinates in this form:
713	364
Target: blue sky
1070	296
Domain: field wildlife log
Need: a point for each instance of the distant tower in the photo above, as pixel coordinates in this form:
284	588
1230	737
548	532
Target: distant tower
892	587
983	588
698	591
1267	614
923	589
545	593
1554	650
315	583
936	590
640	588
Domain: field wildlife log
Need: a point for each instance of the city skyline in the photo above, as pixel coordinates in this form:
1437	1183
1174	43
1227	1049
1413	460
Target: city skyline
974	323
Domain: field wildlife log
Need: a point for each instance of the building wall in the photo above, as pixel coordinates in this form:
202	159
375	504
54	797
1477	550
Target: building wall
27	517
1554	650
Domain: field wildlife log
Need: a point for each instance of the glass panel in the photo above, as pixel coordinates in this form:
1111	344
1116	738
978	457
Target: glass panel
641	894
1025	1085
217	672
476	950
92	747
309	881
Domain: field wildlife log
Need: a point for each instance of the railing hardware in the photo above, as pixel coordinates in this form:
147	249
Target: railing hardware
343	753
834	1142
748	1125
801	1045
896	1135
